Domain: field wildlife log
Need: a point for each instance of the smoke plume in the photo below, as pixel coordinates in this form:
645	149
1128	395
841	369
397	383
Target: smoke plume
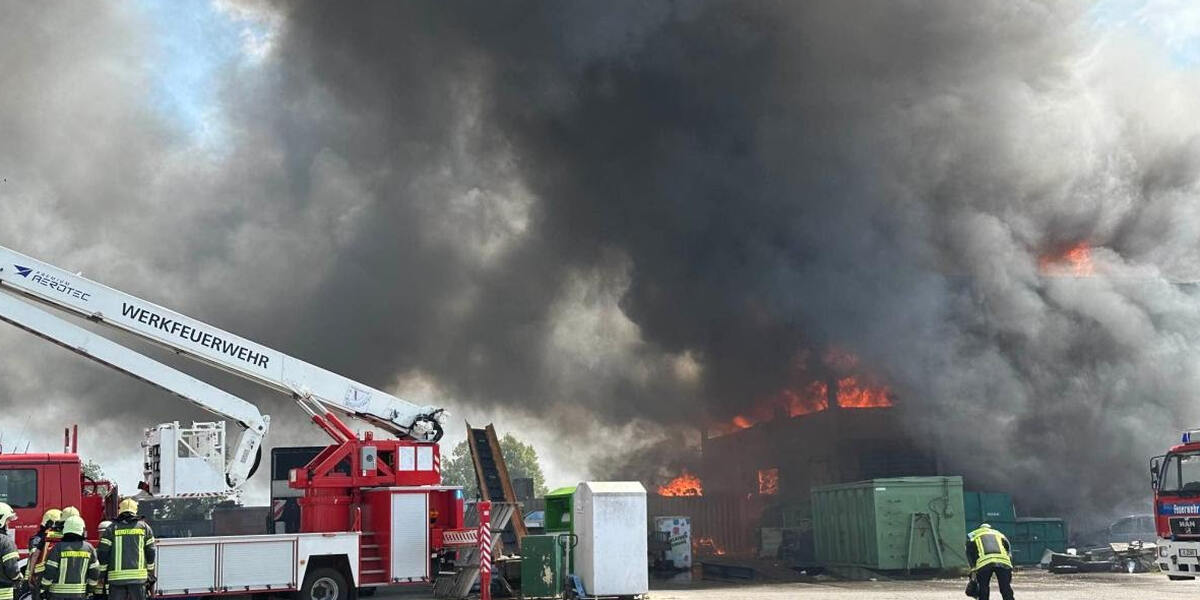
632	219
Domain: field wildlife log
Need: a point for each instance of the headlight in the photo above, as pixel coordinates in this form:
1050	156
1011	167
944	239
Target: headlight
1187	552
1162	551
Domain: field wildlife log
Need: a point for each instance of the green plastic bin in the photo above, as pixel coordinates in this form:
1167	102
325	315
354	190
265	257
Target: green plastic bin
892	524
559	511
542	570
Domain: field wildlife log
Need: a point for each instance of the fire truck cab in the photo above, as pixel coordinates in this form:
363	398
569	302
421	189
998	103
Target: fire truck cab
33	483
1175	477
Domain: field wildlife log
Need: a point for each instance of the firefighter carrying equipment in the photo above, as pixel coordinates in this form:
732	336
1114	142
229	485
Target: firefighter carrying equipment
989	544
127	551
71	567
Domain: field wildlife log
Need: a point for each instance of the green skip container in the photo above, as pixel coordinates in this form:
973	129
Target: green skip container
896	524
1033	536
542	568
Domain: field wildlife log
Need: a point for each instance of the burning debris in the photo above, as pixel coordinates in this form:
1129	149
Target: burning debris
768	481
686	484
705	546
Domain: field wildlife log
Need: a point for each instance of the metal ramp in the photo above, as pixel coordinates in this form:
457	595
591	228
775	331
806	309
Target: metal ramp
457	584
492	473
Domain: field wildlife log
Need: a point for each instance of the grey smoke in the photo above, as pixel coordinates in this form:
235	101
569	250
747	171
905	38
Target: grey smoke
640	215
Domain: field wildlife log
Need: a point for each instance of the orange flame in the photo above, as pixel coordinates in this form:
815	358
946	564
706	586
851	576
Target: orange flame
813	398
706	545
768	481
1075	261
741	422
852	394
684	485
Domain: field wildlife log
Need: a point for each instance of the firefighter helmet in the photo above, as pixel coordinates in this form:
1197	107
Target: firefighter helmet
128	505
69	512
6	514
74	524
51	516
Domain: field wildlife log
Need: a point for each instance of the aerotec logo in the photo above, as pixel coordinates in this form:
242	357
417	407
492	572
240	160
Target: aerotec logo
23	271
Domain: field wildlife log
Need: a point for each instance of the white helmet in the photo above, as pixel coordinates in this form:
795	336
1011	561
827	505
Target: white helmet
7	514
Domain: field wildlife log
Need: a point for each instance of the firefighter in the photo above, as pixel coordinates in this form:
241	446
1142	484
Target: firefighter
48	534
988	553
127	554
10	568
72	569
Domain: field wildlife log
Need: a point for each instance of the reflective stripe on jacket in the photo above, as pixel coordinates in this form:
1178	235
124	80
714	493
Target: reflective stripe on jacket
10	567
48	544
127	551
71	568
989	544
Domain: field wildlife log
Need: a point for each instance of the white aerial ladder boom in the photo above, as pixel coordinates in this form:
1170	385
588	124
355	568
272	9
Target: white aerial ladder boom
305	382
219	402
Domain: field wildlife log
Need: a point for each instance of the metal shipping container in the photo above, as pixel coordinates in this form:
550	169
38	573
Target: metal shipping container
1033	536
891	524
722	524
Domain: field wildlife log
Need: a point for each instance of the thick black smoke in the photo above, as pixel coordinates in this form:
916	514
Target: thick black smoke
622	215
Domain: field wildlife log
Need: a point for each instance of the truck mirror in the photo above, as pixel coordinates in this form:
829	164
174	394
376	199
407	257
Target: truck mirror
1155	467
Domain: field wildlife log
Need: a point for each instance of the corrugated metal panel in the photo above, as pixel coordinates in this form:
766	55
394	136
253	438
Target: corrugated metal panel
890	524
727	522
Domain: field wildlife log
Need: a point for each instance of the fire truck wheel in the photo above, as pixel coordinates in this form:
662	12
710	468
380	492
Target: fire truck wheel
325	584
1180	578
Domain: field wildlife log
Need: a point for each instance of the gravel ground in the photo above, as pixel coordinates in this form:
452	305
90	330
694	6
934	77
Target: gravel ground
1026	585
1036	585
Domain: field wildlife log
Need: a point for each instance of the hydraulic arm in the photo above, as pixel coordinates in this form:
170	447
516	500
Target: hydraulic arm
192	338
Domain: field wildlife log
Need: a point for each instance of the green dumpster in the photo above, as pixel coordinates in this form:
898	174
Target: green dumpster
897	524
559	507
542	570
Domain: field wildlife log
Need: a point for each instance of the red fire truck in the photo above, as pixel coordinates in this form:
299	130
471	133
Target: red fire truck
373	512
1175	477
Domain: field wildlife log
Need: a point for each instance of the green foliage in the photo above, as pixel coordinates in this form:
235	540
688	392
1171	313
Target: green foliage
92	470
521	458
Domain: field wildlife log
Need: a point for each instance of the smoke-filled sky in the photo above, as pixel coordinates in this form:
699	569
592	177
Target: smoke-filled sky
604	225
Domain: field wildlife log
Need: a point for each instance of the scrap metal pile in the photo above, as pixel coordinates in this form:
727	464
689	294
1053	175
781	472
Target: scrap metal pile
1133	557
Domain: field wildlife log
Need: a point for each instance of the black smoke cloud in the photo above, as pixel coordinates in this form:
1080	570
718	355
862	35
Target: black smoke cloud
621	215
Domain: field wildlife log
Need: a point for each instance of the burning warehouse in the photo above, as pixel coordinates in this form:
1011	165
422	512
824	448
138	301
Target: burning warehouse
785	457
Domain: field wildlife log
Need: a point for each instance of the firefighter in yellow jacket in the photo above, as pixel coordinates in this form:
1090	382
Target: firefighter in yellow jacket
127	554
39	546
72	568
10	568
989	553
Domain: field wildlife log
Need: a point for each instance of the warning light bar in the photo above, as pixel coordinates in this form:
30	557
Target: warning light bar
1191	435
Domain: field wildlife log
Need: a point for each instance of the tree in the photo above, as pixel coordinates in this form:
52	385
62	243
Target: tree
521	459
92	470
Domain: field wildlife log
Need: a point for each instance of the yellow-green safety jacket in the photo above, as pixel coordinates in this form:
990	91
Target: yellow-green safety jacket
990	548
127	551
71	570
10	567
48	541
